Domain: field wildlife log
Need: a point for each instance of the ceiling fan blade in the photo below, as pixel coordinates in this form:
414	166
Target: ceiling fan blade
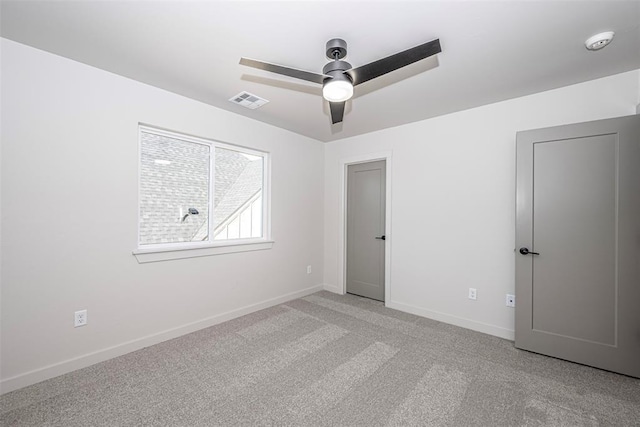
279	69
383	66
337	111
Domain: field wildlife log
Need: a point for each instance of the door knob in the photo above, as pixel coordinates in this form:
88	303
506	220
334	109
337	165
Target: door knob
525	251
381	237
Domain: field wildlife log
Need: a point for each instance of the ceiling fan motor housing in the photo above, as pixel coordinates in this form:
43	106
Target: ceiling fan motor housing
336	71
336	66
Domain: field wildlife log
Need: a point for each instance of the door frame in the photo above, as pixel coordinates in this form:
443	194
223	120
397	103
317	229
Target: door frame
342	220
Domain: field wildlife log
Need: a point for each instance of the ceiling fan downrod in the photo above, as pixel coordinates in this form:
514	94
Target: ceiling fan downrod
336	50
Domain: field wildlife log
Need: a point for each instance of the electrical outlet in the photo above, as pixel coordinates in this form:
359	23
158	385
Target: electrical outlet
80	318
511	300
308	269
473	294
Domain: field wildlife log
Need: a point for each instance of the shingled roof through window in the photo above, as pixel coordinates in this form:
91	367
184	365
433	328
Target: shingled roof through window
181	181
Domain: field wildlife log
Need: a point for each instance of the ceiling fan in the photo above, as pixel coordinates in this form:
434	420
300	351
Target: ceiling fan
338	77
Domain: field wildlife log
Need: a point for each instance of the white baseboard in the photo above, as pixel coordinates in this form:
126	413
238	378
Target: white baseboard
486	328
51	371
331	288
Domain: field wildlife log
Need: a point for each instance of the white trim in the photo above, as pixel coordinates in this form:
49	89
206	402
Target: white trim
138	203
212	196
200	140
331	288
342	221
41	374
155	253
474	325
266	196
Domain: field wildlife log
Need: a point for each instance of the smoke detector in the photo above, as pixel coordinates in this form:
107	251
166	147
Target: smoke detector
599	41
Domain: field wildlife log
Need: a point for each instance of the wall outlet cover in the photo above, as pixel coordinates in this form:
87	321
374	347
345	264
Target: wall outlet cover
80	318
511	300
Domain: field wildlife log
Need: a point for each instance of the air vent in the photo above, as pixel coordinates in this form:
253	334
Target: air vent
248	100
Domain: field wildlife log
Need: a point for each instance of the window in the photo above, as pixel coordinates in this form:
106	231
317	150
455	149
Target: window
197	193
238	195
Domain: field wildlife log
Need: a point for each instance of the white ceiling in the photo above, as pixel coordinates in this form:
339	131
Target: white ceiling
492	51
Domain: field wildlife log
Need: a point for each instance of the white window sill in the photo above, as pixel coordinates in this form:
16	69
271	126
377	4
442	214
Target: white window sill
167	254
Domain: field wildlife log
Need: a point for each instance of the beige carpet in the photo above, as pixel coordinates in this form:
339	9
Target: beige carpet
329	360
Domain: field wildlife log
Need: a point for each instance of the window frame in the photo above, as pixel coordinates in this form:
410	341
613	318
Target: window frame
179	250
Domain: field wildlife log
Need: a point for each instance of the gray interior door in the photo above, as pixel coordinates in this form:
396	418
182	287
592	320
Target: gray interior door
578	243
365	229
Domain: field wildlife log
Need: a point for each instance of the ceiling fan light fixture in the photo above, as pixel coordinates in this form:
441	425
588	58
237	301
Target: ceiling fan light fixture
337	90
